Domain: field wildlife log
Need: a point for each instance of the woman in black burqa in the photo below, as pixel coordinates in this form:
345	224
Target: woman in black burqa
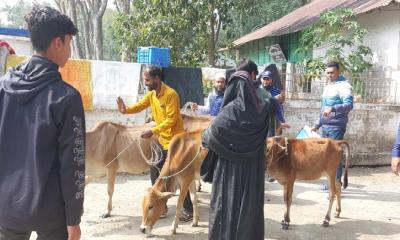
237	139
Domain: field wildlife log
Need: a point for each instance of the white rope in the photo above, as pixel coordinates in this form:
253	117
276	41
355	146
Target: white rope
153	161
173	175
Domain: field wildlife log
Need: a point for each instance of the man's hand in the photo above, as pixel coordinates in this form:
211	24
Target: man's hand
285	125
280	98
327	111
194	106
314	129
74	232
147	134
396	165
121	105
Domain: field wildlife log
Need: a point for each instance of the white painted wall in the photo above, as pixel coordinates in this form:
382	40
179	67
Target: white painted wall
21	45
383	26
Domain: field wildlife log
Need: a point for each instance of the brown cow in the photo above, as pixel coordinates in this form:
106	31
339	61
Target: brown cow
192	123
180	169
106	140
103	144
307	159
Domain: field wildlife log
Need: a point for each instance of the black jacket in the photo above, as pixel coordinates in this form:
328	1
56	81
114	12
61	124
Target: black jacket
42	148
240	129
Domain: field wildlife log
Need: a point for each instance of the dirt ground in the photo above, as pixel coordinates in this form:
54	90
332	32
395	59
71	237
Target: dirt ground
370	210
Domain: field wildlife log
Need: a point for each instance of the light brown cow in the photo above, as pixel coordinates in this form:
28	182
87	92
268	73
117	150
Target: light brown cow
180	169
192	123
108	141
307	159
121	144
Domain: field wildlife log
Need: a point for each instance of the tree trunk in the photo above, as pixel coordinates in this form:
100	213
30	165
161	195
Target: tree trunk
76	40
124	7
97	10
211	38
87	29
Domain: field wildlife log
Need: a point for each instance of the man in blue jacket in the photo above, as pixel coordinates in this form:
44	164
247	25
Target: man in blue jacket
215	98
266	81
396	154
42	138
337	102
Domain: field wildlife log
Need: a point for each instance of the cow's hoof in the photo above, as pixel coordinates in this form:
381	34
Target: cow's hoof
337	215
325	223
105	215
195	224
199	189
173	231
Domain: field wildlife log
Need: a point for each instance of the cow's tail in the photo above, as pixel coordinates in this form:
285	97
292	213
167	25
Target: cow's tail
346	168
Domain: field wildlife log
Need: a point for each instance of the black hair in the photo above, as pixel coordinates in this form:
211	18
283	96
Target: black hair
154	71
332	64
248	66
45	24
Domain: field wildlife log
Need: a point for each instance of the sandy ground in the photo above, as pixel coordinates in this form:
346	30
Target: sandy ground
370	210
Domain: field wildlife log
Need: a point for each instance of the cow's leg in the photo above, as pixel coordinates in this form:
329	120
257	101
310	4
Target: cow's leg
287	197
111	174
332	192
193	195
179	206
338	198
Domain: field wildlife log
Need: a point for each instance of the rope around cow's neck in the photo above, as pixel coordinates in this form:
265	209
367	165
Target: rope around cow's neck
165	178
154	148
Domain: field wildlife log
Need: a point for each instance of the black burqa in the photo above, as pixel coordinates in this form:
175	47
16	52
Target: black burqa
237	137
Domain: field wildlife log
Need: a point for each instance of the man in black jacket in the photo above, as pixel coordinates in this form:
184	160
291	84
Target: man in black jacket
42	138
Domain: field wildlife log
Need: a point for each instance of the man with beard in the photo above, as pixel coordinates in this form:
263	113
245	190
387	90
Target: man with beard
215	98
165	110
237	139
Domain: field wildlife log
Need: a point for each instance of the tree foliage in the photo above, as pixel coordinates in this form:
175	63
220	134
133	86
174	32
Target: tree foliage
15	13
339	30
190	28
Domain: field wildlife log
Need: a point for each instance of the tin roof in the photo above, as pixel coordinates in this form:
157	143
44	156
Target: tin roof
308	14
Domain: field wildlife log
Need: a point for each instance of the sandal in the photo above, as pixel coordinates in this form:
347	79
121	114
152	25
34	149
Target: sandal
186	216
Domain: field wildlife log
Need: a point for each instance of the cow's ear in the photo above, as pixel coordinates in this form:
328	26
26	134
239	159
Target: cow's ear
166	195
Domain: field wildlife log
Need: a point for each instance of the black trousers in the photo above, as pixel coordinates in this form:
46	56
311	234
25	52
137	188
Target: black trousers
154	173
54	234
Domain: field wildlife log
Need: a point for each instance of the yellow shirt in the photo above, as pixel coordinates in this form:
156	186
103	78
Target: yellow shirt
165	110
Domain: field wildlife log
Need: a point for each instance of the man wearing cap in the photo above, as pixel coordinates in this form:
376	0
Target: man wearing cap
266	80
215	98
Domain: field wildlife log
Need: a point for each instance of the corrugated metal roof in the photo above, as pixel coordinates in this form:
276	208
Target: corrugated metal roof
308	14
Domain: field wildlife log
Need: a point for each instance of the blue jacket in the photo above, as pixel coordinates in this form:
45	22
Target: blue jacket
279	110
214	104
396	146
339	96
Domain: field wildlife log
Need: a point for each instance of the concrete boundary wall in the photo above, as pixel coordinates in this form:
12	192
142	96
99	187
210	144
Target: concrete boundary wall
371	130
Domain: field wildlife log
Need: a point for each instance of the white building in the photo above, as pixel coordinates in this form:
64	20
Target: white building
18	39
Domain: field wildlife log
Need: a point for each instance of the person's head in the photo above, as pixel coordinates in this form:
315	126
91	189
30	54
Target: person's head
332	70
266	78
248	66
219	82
152	77
51	33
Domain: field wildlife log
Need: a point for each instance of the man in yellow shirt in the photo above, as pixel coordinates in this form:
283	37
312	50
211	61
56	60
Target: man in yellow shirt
165	109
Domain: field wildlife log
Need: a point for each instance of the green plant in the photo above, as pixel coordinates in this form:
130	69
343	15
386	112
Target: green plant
339	30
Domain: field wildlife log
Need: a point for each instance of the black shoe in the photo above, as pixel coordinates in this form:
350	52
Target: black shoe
186	216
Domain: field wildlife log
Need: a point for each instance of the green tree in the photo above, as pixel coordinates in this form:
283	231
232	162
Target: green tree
110	49
339	30
15	13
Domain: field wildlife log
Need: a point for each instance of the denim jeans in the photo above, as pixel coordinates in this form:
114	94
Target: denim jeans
336	133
